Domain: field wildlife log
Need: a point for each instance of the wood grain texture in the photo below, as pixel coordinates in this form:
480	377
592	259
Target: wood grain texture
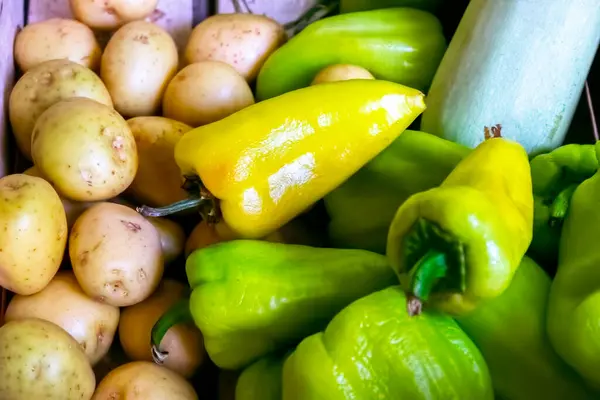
283	11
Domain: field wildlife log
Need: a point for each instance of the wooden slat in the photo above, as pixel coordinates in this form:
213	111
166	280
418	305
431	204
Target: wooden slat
176	16
283	11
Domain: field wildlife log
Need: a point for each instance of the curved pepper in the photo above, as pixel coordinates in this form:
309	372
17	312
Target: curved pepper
262	379
269	162
402	45
373	349
510	332
463	241
574	303
250	298
555	176
413	163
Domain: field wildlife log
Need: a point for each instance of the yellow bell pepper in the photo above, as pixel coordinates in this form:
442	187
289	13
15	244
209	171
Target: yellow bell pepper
267	163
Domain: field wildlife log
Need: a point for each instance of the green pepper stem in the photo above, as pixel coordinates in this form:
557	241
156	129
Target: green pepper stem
179	313
427	272
560	205
182	205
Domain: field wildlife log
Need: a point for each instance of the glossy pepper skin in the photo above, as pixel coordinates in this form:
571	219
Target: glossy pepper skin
463	241
510	332
415	162
250	298
262	379
555	176
402	45
348	6
269	162
373	349
574	303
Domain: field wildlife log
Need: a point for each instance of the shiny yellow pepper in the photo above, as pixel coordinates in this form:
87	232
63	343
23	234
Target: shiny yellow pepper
267	163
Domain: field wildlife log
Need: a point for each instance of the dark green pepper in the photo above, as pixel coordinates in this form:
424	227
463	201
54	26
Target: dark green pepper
555	176
262	379
413	163
402	45
374	349
510	331
251	298
348	6
574	303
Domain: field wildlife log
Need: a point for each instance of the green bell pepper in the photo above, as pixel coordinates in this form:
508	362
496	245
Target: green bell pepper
348	6
574	303
402	45
373	349
510	332
555	176
413	163
251	298
262	379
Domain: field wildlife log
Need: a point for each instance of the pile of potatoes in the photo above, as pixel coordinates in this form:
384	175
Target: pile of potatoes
97	128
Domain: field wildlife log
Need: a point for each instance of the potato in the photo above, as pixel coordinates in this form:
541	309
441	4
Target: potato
138	62
85	149
205	235
143	380
341	72
90	323
111	14
56	38
73	209
183	343
243	41
158	180
44	85
39	360
172	238
205	92
116	254
33	233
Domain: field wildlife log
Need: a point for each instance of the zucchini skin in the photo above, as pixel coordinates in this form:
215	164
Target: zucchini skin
521	64
510	332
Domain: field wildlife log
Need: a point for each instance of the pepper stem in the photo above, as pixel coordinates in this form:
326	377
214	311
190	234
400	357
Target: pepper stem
427	272
560	205
171	208
179	313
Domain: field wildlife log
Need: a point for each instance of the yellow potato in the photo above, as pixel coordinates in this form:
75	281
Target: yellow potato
39	360
44	85
111	14
56	38
143	380
243	41
116	254
204	235
73	209
85	149
205	92
158	180
90	323
138	62
33	233
172	238
183	344
341	72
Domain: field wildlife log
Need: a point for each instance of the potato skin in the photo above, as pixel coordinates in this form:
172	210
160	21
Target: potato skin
138	62
244	41
33	233
143	380
111	14
341	72
158	180
116	254
85	149
172	237
39	360
92	324
206	92
47	84
56	38
183	343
